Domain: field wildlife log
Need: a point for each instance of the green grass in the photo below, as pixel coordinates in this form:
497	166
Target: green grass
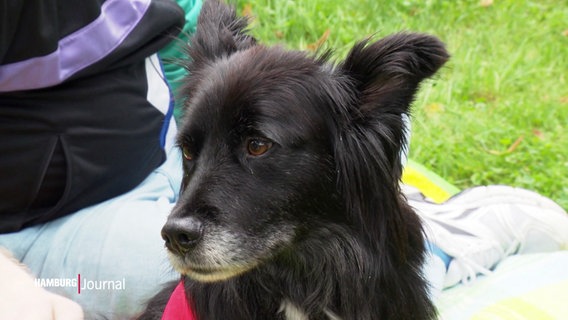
496	114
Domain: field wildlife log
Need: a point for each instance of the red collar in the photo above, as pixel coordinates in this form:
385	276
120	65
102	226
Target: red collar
178	308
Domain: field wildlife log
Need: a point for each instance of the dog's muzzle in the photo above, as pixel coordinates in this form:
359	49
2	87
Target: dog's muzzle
182	234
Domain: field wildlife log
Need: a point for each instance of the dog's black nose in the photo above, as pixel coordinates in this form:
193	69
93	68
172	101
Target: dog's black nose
182	234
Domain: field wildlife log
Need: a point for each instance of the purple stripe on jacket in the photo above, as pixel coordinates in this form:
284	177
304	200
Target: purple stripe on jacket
78	50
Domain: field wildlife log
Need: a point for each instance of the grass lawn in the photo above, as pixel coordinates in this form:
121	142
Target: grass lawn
496	114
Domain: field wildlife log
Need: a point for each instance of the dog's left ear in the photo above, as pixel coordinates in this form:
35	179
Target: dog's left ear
383	77
219	33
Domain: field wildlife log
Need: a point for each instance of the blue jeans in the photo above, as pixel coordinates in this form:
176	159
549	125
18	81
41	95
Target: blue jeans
114	248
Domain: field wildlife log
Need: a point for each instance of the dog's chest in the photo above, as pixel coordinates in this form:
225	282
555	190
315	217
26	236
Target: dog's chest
292	312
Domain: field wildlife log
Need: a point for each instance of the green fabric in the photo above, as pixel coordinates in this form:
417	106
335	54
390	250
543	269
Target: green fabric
174	51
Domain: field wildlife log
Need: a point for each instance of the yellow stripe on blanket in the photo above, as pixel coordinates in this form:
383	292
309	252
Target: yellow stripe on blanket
430	184
542	304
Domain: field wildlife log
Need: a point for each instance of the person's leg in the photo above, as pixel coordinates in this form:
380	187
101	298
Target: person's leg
434	269
117	241
481	226
473	231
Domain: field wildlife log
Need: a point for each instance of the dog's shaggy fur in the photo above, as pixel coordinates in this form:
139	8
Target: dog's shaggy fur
290	204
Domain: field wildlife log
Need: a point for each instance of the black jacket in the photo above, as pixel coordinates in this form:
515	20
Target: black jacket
76	127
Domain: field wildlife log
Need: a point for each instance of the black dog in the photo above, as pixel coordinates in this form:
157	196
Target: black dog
291	207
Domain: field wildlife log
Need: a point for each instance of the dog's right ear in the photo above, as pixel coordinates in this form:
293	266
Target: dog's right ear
219	34
384	78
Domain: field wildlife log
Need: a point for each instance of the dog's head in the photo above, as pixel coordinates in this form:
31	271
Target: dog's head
277	143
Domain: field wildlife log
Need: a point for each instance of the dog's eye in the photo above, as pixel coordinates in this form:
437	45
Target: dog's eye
186	153
257	147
